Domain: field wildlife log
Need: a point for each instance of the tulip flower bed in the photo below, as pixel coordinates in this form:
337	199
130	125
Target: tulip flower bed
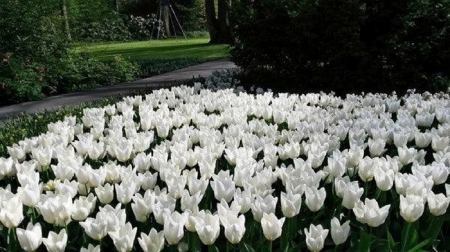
189	170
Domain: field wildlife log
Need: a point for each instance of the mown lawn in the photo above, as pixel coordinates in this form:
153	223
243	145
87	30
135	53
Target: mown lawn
162	48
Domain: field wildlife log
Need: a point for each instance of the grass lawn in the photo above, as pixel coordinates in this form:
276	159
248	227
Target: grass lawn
162	48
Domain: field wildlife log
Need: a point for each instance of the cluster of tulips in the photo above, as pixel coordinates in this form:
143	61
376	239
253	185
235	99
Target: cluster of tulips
187	169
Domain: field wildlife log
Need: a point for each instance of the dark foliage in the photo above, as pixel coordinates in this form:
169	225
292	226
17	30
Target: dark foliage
344	46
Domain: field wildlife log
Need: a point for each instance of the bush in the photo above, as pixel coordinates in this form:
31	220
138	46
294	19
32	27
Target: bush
21	81
142	28
76	73
343	46
110	28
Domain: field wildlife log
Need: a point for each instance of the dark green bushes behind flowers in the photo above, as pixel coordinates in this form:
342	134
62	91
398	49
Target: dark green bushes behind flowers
343	45
27	80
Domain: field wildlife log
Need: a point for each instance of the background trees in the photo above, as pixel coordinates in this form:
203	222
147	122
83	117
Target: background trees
218	21
343	45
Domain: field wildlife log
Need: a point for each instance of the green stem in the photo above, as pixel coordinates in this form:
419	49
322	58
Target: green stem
366	189
12	240
406	238
335	248
194	242
33	214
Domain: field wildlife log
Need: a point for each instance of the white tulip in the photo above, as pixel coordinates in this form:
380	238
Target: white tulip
337	166
406	155
352	194
339	233
235	230
190	202
56	242
149	180
384	179
56	209
422	140
125	191
437	203
369	212
123	237
31	238
30	194
411	207
263	205
376	147
290	204
153	242
83	206
315	237
244	199
43	156
96	228
142	162
223	186
174	227
315	198
208	228
105	193
367	167
272	226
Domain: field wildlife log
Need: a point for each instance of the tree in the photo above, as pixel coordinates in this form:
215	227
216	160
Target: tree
65	18
219	25
345	46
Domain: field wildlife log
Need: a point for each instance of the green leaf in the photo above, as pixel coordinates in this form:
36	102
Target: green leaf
365	240
391	243
419	246
409	236
246	247
434	228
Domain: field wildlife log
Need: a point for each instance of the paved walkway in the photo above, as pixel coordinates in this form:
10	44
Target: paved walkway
159	81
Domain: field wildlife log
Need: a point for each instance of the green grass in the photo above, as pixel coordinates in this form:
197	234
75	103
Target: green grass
151	49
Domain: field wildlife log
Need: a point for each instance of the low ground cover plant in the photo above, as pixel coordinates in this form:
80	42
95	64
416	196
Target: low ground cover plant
192	169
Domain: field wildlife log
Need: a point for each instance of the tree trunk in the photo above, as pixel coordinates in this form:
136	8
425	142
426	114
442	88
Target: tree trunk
165	19
219	27
224	24
65	18
211	20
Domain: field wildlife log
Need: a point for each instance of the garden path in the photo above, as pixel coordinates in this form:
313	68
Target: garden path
159	81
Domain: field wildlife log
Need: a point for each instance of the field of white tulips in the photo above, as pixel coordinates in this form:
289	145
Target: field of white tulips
191	169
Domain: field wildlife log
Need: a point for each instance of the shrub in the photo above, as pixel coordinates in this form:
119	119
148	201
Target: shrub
344	46
142	27
21	81
109	28
76	73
